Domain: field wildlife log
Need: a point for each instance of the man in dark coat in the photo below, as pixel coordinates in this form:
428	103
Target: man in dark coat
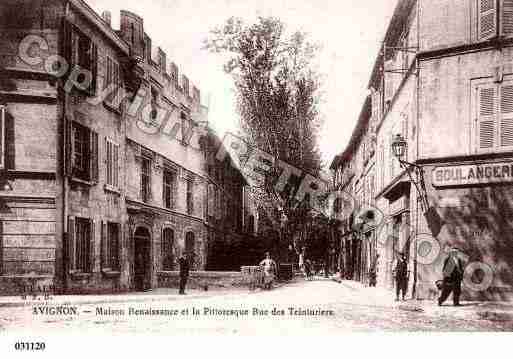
401	276
453	276
184	272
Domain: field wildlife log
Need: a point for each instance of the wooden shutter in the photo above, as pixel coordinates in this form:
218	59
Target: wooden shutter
1	247
93	157
2	138
71	243
104	246
69	45
68	148
507	17
506	115
487	117
487	22
9	141
115	166
120	246
93	67
91	252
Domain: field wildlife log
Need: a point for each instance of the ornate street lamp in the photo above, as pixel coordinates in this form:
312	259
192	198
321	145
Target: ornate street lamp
399	146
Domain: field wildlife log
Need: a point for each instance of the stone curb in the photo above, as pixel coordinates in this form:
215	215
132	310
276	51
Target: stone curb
81	300
109	300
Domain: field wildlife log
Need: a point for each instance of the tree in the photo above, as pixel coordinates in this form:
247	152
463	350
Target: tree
277	93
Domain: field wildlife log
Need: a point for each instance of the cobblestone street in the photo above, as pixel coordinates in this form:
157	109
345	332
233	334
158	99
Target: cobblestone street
345	306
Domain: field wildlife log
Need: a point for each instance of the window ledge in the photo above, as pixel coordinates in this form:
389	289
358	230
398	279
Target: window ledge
81	181
80	275
112	189
110	273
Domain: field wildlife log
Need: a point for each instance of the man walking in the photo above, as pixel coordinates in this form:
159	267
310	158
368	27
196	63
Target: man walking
401	276
184	272
453	276
373	272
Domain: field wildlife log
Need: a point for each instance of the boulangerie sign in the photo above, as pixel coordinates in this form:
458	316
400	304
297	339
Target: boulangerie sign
473	174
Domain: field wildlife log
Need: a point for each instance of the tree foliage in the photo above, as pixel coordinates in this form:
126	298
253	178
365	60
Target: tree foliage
277	93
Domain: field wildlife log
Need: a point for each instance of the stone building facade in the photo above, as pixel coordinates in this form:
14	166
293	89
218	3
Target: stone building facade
442	81
106	172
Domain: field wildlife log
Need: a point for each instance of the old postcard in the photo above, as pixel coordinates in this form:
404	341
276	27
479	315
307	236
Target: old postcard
243	167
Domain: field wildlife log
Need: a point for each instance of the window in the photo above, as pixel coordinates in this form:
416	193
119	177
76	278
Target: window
112	161
169	188
111	238
211	195
218	203
113	77
187	130
145	179
84	155
190	203
154	97
196	94
189	244
83	53
168	260
2	137
251	224
174	74
494	18
147	48
185	85
494	116
80	233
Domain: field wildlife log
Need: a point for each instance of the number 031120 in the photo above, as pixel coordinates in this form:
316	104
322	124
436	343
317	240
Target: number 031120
29	346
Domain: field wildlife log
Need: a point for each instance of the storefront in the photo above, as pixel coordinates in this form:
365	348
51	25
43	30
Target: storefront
475	203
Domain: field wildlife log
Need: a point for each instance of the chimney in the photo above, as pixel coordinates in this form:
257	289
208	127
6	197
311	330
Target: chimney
132	31
107	16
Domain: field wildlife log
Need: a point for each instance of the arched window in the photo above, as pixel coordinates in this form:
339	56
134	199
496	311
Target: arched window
168	260
189	244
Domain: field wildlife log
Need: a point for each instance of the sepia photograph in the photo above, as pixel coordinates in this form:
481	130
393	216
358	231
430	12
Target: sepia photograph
244	167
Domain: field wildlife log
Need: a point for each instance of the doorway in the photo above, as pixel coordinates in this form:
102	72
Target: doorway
142	259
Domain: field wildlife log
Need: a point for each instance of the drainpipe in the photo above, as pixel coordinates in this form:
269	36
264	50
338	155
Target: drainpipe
65	185
417	119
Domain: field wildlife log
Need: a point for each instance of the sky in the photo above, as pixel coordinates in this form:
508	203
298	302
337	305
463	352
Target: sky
349	32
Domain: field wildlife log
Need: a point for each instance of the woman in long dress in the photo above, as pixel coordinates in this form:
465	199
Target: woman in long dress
269	270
